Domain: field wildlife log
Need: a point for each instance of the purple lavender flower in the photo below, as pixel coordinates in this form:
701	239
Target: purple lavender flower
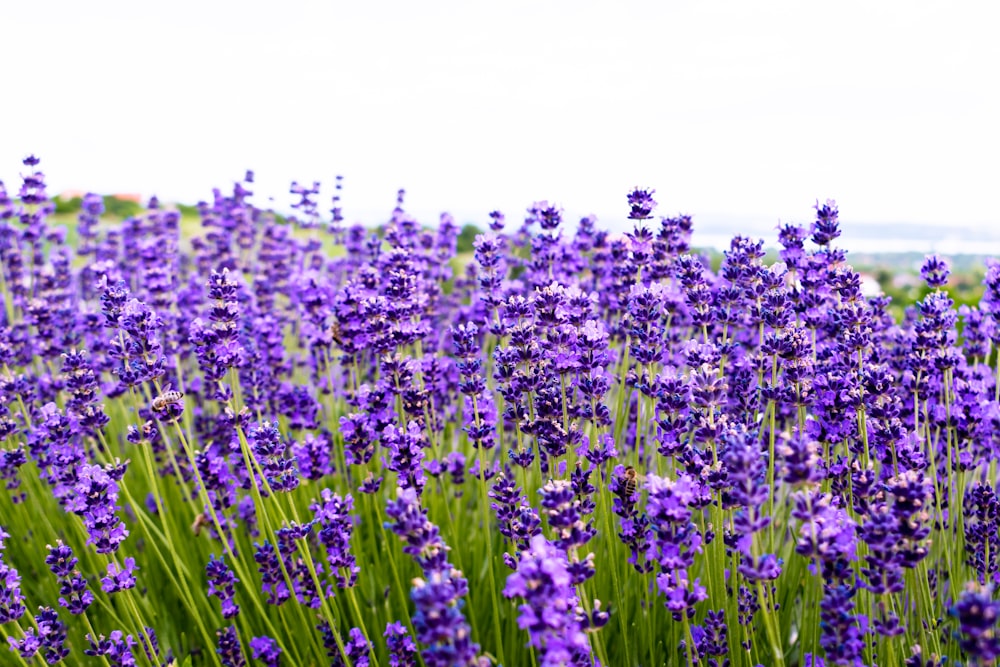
272	578
402	649
76	596
935	271
290	538
423	540
829	535
119	579
11	461
710	639
359	438
803	465
825	229
229	649
438	619
84	388
217	345
356	647
270	448
49	639
497	221
266	650
96	495
673	540
116	648
312	456
517	519
548	612
11	598
406	453
566	510
641	203
222	584
977	613
335	528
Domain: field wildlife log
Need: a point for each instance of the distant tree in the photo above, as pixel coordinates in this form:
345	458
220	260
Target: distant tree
466	237
67	206
121	208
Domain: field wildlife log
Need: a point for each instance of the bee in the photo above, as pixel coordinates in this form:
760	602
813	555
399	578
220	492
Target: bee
200	522
169	397
629	484
336	334
629	480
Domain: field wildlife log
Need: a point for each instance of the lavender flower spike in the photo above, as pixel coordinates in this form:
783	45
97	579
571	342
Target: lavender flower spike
549	614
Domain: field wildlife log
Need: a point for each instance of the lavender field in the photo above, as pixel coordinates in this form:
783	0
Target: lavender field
291	441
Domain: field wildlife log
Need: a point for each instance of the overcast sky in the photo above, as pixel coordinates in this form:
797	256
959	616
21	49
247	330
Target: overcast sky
734	111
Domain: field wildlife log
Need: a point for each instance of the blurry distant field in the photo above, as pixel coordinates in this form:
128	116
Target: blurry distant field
895	273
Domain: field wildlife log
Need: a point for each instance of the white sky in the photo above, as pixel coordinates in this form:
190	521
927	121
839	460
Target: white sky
734	111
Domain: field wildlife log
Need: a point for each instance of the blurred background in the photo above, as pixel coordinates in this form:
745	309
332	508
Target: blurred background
742	115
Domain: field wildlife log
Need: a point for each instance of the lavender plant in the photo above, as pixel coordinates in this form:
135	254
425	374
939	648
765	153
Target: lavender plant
294	442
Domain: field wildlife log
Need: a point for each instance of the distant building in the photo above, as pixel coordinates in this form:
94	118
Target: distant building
870	285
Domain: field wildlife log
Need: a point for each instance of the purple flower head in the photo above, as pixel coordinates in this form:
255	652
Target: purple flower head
313	456
422	538
792	239
11	461
49	639
673	537
826	227
710	638
356	647
402	649
119	579
75	595
272	578
565	512
61	560
549	611
406	454
333	515
935	271
359	438
977	613
11	598
828	532
548	216
681	595
497	221
803	465
229	649
113	298
222	584
116	648
517	520
96	495
842	632
266	650
641	203
438	619
270	448
745	465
